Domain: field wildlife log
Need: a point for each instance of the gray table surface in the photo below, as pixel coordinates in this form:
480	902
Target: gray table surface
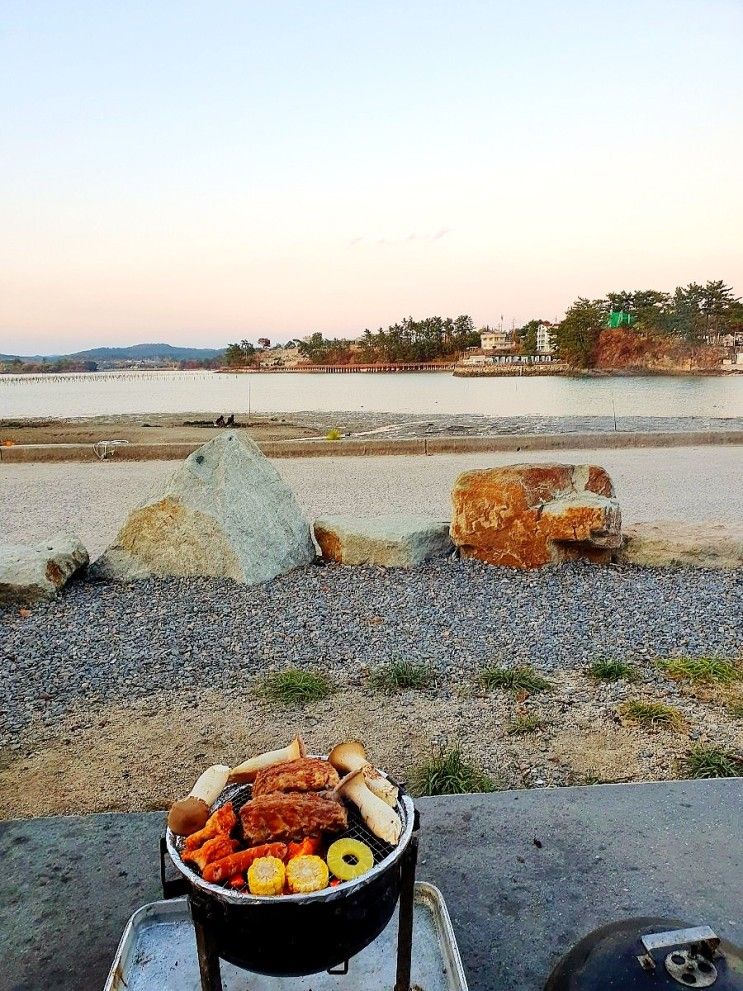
69	884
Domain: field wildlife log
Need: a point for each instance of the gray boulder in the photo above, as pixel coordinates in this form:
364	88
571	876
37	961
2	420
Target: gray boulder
389	542
692	545
30	573
225	513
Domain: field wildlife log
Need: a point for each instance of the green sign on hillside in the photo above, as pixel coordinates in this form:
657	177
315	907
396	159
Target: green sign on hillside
619	318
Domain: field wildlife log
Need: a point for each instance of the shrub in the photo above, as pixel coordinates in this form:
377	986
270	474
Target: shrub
447	773
652	715
523	678
296	685
399	675
701	669
333	434
612	671
705	761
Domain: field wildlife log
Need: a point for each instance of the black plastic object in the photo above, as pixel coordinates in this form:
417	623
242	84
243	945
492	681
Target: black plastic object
614	958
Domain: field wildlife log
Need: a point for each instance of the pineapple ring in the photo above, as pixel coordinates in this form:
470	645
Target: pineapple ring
349	859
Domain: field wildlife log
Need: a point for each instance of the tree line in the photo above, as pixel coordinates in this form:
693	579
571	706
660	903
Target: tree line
696	314
409	340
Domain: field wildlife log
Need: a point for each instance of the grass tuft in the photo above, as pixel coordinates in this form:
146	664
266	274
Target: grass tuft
399	676
527	723
705	761
447	773
735	709
521	679
701	669
612	671
295	685
652	715
333	434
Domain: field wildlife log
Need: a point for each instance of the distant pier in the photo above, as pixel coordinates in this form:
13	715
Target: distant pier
421	366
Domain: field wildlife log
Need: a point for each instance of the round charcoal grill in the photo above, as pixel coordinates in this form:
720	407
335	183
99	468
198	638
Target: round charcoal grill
293	935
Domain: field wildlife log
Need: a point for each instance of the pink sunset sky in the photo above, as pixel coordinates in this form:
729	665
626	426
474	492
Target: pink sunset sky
197	173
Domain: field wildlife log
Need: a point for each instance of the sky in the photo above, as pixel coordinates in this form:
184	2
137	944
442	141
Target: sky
197	172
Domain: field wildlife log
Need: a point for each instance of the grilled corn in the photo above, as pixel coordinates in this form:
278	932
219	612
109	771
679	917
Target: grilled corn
307	873
266	876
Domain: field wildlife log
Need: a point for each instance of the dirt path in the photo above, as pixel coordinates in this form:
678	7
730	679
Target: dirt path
144	755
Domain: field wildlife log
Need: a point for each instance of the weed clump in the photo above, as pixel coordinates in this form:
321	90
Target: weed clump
297	686
704	761
400	675
612	671
519	679
701	669
448	773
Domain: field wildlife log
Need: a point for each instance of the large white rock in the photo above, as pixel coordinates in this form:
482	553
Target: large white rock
225	513
693	545
389	542
29	573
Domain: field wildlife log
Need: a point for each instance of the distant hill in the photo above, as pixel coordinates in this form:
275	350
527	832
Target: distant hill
136	352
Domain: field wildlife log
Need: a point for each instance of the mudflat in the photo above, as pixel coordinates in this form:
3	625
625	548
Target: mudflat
160	428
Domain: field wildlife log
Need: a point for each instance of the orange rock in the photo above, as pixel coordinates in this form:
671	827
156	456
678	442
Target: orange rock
526	516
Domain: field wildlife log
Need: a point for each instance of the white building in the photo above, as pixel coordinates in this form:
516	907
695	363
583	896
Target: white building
495	340
545	338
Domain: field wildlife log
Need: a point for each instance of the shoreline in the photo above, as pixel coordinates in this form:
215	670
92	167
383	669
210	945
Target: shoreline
320	447
362	433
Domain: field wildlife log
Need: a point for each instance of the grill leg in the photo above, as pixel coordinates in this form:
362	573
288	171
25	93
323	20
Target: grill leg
405	925
211	975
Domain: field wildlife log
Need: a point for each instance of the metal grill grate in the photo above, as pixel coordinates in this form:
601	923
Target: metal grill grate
357	829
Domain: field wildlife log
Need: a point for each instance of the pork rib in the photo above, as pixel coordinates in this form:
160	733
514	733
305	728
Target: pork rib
291	816
303	774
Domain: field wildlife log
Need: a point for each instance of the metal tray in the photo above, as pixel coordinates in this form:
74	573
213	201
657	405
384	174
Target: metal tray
157	952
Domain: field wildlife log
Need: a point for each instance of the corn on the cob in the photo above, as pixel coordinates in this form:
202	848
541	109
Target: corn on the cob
266	876
307	873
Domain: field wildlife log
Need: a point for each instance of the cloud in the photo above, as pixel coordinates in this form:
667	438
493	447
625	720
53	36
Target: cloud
436	235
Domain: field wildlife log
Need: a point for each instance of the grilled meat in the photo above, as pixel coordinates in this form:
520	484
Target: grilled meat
238	863
291	816
214	849
223	820
303	774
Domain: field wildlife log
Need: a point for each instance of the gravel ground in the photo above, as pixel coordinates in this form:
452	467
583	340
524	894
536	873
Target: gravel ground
93	499
455	614
117	696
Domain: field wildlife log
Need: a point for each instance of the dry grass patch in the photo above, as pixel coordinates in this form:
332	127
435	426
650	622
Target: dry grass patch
652	715
525	723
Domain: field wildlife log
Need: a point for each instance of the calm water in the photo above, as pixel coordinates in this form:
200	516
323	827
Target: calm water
180	392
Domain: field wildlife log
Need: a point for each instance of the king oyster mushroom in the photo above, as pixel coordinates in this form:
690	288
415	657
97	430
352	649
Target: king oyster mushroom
351	756
247	771
383	821
189	814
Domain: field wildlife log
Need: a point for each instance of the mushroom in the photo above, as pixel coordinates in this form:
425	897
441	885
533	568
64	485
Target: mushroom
383	821
189	814
351	756
249	768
